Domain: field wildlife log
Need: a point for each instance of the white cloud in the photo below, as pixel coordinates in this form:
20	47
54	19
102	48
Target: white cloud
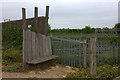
67	13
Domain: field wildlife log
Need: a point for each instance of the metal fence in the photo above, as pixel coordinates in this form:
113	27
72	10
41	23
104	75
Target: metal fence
72	54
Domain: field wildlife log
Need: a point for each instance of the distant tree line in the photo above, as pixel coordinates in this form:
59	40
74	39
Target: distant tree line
86	30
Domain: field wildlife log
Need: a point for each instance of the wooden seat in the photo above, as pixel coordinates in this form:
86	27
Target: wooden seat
41	60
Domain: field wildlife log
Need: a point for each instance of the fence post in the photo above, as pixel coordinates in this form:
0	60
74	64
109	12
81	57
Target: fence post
85	52
93	56
24	38
36	20
46	20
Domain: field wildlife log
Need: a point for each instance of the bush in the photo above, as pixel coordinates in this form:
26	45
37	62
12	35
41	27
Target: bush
12	37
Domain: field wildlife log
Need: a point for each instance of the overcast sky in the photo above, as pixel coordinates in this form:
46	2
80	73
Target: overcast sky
66	13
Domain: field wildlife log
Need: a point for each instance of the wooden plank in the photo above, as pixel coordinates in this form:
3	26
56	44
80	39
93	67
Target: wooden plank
47	46
27	56
41	45
70	40
29	45
24	49
19	23
38	37
85	54
33	45
44	51
37	45
89	51
93	56
41	60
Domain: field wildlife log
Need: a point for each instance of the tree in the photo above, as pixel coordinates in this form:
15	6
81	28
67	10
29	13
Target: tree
117	25
87	29
106	30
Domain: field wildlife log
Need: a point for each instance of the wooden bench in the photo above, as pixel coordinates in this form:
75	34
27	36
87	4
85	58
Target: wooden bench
41	60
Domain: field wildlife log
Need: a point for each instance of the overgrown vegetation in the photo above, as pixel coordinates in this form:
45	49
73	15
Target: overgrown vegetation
11	56
104	71
13	68
12	37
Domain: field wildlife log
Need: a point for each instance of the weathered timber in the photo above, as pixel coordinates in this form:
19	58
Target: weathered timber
25	58
85	52
70	40
93	56
41	60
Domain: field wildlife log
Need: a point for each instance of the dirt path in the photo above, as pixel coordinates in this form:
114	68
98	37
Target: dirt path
57	71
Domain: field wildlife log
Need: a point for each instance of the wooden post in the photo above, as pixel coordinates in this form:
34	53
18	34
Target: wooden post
47	12
24	38
46	20
85	52
93	56
36	20
24	18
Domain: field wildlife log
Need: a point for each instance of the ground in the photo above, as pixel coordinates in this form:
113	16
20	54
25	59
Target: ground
57	71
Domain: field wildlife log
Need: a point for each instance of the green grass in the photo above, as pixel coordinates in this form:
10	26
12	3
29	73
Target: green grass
11	56
104	71
14	68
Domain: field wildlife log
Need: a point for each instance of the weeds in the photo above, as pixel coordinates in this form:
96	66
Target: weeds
14	68
104	71
11	56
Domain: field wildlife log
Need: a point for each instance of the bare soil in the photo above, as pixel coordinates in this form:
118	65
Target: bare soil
54	71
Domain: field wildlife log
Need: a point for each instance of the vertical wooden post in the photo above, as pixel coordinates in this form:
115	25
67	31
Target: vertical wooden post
93	56
47	12
36	20
85	52
46	20
24	38
24	18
